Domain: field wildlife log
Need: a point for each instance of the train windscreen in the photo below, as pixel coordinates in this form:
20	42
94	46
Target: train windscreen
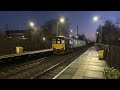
59	40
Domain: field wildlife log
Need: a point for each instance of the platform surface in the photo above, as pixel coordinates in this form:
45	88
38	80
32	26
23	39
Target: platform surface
86	66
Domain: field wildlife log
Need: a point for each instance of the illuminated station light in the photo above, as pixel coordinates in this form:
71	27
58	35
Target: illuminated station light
44	39
76	36
62	20
32	24
95	18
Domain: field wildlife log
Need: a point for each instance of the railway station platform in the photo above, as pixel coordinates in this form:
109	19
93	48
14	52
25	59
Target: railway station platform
86	66
25	53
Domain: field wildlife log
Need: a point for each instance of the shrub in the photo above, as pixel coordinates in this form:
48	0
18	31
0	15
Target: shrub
112	73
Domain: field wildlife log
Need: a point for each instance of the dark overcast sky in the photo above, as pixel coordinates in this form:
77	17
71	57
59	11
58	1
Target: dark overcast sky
20	19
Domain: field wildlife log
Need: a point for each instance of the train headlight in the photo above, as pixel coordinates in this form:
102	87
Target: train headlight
54	48
62	48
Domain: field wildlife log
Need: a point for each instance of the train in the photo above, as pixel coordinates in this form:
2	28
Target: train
62	44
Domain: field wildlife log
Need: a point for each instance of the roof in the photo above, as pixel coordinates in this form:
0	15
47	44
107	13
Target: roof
67	37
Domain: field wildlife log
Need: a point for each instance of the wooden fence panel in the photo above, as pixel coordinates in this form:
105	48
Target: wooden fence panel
113	57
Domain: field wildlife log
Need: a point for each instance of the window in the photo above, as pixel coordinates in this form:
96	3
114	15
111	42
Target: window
63	41
76	42
54	41
58	42
70	42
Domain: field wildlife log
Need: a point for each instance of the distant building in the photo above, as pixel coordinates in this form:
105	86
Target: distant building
21	34
119	37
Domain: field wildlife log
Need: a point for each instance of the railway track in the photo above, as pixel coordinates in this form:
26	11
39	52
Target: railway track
54	70
7	72
51	66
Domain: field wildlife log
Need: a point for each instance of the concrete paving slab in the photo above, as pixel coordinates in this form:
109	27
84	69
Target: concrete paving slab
81	63
65	76
97	64
75	65
77	77
80	72
96	68
70	71
94	74
88	78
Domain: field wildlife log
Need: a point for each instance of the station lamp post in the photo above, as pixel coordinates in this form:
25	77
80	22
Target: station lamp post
61	20
96	18
99	36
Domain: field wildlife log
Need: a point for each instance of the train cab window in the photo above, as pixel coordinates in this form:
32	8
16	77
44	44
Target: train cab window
63	41
54	41
58	42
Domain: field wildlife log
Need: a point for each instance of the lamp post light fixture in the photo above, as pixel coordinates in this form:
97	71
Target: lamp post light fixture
62	20
31	24
76	36
44	38
95	18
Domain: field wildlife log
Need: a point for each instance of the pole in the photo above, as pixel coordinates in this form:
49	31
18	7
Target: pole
99	37
57	29
77	29
101	34
101	30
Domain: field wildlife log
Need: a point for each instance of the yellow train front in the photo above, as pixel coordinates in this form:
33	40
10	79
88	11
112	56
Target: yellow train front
58	45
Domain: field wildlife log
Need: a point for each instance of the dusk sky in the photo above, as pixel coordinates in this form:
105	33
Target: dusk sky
84	19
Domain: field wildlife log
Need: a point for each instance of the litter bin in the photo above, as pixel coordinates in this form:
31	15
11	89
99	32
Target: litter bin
19	50
100	53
